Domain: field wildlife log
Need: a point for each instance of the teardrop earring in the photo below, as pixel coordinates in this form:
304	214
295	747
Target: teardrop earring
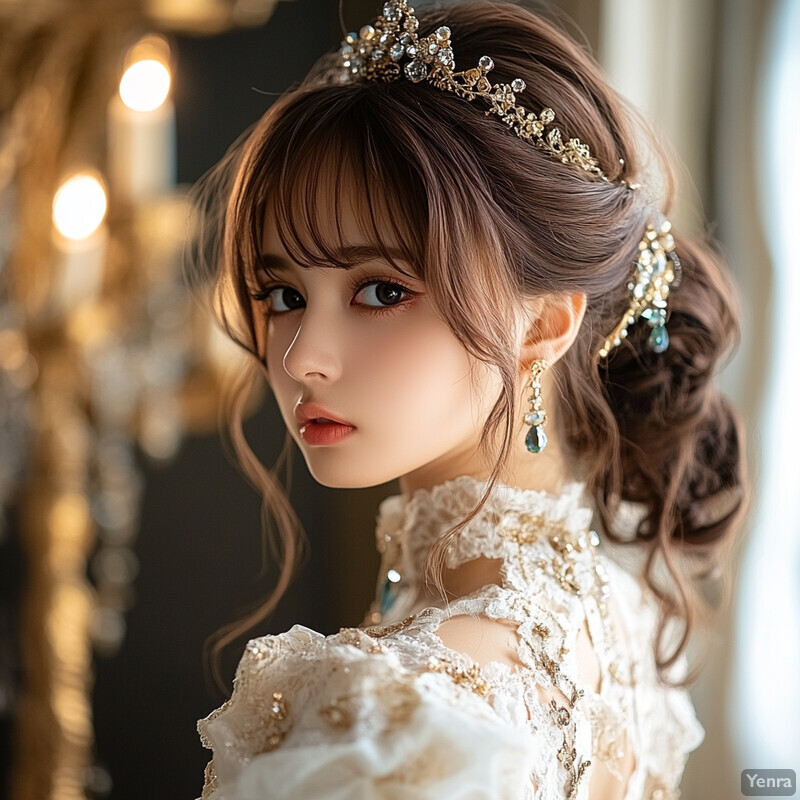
536	440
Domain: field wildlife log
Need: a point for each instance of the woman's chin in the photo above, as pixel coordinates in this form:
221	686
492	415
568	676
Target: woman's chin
342	480
337	470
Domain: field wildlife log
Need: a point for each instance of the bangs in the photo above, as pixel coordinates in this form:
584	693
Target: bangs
417	196
310	171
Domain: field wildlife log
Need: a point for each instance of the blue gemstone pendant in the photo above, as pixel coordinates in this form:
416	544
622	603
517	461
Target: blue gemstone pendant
536	440
387	601
659	339
391	590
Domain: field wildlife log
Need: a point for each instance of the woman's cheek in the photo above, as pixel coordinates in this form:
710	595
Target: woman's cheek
422	369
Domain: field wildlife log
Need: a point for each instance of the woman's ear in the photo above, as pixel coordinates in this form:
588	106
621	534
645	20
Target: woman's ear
550	326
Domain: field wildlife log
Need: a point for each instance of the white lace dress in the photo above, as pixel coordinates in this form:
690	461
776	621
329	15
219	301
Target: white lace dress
388	711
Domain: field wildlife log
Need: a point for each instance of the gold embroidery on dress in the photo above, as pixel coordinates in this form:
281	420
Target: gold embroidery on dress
279	708
274	741
614	670
575	780
471	676
379	631
256	649
607	747
274	708
563	717
541	630
398	700
562	566
338	714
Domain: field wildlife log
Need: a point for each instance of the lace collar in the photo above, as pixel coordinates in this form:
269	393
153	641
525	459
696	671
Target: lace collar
407	527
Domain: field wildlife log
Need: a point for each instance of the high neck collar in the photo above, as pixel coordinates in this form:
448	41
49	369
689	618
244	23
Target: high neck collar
408	526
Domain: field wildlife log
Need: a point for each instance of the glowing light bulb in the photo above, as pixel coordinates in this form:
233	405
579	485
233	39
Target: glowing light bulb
141	125
145	85
79	206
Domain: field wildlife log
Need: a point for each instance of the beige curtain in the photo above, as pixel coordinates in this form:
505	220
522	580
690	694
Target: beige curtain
764	697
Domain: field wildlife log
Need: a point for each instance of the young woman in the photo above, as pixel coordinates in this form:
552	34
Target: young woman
450	275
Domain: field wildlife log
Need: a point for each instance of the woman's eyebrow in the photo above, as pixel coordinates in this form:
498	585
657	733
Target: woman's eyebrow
352	256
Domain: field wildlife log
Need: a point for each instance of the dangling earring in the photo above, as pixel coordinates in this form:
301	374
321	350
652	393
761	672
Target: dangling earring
536	440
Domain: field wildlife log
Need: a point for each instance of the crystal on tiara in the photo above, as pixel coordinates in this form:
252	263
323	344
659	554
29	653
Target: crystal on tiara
375	54
657	270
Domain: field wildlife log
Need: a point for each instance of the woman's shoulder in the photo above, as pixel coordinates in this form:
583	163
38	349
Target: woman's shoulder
301	662
309	710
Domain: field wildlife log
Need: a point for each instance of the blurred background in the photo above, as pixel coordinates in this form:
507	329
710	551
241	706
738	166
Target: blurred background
127	536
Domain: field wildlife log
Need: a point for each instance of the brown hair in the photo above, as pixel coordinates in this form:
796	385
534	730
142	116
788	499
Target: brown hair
647	428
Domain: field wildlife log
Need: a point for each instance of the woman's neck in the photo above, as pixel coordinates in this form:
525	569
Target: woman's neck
547	471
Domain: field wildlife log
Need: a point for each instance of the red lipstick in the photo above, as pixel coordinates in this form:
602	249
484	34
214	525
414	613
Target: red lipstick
319	426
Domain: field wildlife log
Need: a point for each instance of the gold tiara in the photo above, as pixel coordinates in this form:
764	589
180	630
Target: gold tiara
376	51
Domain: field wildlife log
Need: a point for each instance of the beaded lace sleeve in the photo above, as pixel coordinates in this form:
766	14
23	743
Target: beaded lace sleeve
347	716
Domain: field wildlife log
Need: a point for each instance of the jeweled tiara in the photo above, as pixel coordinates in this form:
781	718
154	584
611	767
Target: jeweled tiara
376	53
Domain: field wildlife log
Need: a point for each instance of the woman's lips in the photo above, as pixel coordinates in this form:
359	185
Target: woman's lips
308	412
316	432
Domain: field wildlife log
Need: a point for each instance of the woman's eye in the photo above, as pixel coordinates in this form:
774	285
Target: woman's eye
284	298
383	293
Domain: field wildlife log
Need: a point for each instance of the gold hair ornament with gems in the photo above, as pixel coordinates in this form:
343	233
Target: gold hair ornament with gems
376	51
657	270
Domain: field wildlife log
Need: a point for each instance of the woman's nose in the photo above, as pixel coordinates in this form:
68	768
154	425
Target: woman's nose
315	349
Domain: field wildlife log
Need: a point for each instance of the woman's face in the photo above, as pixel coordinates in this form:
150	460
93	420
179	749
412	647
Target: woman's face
367	345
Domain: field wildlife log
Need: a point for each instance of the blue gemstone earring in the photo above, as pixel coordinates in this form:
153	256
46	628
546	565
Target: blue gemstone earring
536	440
